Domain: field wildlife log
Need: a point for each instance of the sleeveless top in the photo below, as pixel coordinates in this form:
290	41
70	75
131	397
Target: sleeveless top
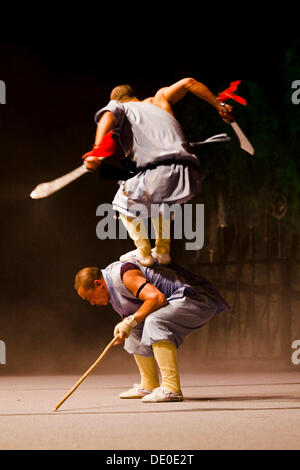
172	280
148	133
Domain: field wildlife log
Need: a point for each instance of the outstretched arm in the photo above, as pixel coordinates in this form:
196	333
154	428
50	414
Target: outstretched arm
178	90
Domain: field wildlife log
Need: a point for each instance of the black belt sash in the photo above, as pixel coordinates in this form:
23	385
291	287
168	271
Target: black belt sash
112	172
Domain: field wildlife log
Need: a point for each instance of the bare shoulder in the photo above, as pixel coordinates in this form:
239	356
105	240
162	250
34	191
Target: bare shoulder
132	276
149	100
160	100
133	279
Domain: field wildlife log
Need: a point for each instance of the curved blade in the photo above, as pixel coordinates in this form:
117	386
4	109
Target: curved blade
244	142
45	189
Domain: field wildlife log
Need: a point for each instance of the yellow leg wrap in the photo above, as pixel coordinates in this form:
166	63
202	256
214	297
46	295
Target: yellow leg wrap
165	354
148	371
137	231
162	234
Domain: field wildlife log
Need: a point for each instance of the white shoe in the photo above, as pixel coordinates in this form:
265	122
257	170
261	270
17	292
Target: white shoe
136	255
161	394
161	258
136	392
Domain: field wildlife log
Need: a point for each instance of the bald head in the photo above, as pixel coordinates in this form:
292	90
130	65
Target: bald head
85	278
123	93
91	286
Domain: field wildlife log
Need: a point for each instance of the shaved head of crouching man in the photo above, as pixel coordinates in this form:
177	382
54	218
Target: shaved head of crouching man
90	285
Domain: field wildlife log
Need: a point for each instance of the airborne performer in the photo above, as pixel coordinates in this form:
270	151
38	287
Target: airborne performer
167	170
159	306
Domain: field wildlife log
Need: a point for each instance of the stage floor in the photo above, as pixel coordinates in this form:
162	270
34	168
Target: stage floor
220	411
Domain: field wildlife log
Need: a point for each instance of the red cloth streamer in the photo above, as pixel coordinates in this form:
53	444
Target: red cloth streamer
106	148
229	94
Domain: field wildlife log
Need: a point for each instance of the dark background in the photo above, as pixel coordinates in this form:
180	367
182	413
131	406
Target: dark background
57	76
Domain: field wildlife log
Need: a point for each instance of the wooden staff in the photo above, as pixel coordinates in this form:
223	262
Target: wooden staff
93	366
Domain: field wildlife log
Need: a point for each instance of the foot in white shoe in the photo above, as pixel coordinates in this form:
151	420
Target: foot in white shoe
128	255
161	258
135	255
162	394
136	392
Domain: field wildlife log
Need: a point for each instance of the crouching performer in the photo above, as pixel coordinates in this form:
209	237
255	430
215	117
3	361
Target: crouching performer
159	306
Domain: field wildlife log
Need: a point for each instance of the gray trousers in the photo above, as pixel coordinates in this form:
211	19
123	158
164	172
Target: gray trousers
171	323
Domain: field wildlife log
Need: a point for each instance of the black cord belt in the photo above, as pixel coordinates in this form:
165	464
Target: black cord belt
152	166
112	172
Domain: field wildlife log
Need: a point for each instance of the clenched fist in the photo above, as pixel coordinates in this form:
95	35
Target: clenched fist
226	113
124	328
92	163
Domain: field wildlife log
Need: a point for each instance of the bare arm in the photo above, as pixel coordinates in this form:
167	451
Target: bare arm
178	90
106	124
152	298
166	97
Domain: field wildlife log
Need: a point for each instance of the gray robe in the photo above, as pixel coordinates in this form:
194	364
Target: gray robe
192	302
150	135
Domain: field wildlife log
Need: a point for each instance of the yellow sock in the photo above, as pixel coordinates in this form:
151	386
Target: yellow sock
137	232
165	354
148	371
162	234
